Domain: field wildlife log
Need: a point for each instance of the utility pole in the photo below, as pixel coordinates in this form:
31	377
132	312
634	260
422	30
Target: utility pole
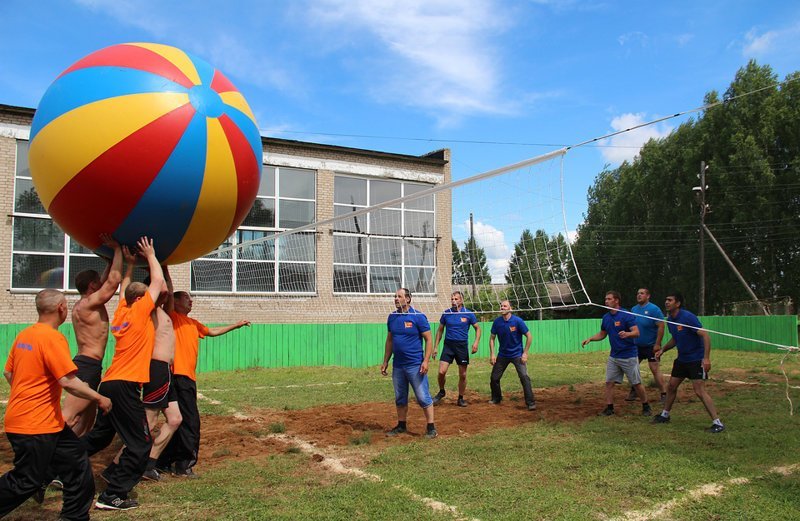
703	209
472	256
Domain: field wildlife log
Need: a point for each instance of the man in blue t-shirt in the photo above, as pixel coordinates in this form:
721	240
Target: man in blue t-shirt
406	329
509	330
650	321
456	320
693	362
619	325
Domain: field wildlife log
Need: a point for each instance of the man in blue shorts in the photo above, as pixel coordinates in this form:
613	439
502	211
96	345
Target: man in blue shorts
456	320
619	325
509	329
650	321
693	362
406	329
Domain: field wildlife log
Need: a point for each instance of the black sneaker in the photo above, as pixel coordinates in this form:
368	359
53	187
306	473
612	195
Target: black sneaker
438	397
631	396
396	431
185	473
432	433
461	402
532	407
112	502
151	475
164	470
715	428
647	410
661	419
608	411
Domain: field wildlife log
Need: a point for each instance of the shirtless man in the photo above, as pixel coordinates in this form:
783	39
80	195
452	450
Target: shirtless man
90	322
159	394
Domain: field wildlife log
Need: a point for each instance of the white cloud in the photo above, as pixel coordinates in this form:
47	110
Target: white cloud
684	39
572	236
633	38
431	54
625	146
493	242
773	42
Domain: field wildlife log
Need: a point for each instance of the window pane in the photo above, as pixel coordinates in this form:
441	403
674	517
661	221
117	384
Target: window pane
385	251
297	183
420	280
350	279
226	255
212	275
384	280
297	247
78	264
424	203
296	278
26	199
75	247
22	158
420	253
381	191
264	250
262	214
356	224
296	213
255	276
349	190
37	271
32	234
384	222
350	249
419	224
267	186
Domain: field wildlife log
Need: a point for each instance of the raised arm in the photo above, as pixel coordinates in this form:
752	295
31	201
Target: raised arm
169	304
221	330
130	262
111	277
147	250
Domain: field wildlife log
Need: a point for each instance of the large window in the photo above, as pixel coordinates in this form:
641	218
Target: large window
385	249
286	199
43	256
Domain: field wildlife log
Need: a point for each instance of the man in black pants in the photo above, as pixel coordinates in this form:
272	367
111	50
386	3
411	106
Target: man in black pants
134	332
38	366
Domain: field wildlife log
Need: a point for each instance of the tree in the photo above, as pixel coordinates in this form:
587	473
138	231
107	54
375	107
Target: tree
476	267
459	275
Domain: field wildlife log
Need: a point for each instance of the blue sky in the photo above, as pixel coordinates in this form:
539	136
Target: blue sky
416	75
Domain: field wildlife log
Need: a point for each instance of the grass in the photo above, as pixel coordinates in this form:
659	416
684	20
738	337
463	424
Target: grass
600	468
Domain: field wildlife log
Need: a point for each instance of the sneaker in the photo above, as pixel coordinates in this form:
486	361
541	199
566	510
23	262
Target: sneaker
461	402
608	411
185	473
647	410
396	431
661	419
715	428
431	434
438	397
532	407
151	475
494	402
57	484
164	470
631	396
112	502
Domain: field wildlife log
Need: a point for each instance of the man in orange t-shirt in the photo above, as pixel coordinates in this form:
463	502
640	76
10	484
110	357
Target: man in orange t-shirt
134	333
38	367
183	448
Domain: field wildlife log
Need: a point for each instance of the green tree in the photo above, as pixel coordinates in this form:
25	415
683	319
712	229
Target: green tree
476	267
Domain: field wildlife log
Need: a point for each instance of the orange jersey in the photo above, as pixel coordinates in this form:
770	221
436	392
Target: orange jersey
38	359
135	334
188	333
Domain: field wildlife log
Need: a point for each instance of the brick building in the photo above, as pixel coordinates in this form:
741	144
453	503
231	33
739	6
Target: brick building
319	279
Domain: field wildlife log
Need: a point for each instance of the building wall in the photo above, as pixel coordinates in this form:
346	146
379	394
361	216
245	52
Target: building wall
17	307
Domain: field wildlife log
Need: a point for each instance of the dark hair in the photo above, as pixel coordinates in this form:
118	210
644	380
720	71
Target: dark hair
408	293
615	294
84	278
677	296
647	290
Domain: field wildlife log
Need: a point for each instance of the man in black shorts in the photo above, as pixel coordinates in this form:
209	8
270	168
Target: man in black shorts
693	362
456	320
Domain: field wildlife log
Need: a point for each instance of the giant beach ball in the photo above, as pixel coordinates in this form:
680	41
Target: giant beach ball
146	139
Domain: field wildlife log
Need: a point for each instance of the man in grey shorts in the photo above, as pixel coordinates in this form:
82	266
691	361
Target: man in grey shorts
619	326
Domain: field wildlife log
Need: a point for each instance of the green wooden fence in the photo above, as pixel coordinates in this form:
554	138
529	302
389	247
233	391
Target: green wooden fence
361	345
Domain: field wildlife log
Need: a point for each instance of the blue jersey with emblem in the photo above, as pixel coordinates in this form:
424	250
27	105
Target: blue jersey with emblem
457	324
648	329
509	333
690	344
406	330
613	324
